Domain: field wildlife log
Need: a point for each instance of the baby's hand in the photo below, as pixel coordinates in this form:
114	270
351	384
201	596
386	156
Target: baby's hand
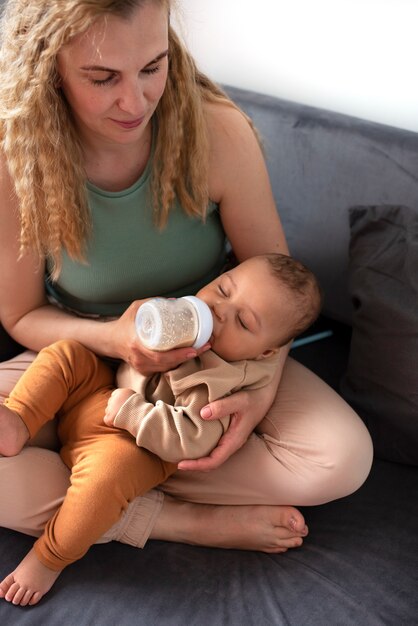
118	397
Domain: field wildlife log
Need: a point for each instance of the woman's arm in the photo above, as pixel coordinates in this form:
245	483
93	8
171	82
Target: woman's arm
24	309
239	182
247	409
28	317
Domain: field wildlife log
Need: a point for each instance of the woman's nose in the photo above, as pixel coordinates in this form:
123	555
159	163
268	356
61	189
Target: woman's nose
131	98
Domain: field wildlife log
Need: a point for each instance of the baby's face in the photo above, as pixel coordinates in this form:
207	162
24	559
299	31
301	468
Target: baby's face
249	309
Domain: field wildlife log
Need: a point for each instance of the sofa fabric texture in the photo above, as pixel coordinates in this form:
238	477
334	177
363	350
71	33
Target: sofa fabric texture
359	564
322	163
382	376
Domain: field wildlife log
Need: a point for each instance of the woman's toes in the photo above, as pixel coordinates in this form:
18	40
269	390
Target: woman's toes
295	521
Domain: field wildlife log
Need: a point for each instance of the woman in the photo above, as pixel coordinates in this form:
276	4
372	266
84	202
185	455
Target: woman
122	170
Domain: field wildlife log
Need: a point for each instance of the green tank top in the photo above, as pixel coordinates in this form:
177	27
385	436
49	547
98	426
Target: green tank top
129	258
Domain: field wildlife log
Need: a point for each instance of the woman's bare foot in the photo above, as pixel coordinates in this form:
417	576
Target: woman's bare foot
262	528
13	432
30	581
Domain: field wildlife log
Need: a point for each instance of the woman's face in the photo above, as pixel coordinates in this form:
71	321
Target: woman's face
114	75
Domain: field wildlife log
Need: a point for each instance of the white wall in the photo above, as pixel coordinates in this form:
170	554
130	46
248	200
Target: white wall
354	56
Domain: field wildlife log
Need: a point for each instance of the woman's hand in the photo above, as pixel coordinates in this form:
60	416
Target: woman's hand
247	409
123	342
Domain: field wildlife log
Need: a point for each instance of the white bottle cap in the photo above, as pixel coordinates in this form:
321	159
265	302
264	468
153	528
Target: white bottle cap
205	318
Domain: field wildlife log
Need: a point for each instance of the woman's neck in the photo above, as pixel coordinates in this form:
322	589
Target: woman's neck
117	167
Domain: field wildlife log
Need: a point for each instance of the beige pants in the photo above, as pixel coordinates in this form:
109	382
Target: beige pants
311	448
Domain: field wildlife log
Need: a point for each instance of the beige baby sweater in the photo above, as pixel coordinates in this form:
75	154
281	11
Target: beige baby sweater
164	413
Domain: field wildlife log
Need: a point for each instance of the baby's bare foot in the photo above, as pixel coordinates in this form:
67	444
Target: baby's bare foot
270	529
29	582
13	432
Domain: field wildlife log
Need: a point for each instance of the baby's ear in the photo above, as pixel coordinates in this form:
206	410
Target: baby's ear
267	353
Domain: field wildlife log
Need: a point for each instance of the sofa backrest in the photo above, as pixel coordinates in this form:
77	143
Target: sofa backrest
322	163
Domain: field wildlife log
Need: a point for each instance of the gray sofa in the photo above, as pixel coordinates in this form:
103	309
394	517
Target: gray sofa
347	191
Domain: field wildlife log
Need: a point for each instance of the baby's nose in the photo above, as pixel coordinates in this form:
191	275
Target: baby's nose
219	311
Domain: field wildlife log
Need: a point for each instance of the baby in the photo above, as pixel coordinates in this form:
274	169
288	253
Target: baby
257	307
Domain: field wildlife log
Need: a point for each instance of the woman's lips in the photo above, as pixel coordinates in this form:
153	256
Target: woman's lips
129	124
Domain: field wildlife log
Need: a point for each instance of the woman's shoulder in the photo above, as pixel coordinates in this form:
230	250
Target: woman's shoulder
233	144
227	123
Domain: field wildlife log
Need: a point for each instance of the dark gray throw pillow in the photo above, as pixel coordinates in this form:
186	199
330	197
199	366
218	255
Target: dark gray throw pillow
381	381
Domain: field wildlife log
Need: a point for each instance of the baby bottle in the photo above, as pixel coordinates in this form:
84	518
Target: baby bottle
166	323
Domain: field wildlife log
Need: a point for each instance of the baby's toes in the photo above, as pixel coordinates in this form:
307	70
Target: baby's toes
18	596
35	598
12	591
5	585
26	597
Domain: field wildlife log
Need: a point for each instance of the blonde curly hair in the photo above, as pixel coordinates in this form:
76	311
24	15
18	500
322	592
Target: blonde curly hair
40	142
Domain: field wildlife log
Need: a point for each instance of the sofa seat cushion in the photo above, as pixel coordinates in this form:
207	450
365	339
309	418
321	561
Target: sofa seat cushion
358	567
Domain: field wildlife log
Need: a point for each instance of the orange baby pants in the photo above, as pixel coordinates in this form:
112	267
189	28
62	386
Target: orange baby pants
108	469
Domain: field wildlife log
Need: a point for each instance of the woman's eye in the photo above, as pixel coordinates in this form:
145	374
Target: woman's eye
222	291
102	81
151	70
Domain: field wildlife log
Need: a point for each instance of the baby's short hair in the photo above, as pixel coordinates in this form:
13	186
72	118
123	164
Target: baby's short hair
304	286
